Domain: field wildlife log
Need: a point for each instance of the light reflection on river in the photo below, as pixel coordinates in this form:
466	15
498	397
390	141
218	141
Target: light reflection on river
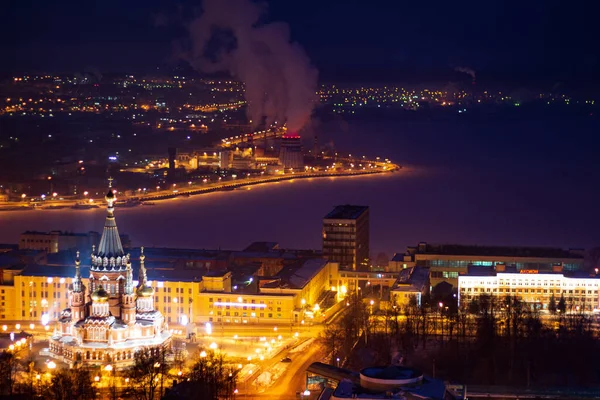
493	180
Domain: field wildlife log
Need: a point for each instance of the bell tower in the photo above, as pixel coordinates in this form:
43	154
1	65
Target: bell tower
77	294
128	298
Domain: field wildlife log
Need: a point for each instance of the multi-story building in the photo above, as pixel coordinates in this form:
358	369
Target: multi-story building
55	241
534	287
447	261
288	297
346	236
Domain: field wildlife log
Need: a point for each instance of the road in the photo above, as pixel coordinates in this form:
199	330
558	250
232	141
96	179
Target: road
294	378
195	188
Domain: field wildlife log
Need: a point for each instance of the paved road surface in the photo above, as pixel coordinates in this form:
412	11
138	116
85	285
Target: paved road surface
294	378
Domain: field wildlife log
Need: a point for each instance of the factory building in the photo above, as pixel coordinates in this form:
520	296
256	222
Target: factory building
290	152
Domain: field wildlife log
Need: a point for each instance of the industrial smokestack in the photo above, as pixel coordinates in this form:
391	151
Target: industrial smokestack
280	81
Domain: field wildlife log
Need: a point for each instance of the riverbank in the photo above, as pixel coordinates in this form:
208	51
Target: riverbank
150	198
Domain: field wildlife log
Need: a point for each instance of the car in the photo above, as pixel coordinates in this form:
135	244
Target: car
286	360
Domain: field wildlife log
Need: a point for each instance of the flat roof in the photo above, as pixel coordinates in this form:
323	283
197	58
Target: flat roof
346	211
497	251
474	271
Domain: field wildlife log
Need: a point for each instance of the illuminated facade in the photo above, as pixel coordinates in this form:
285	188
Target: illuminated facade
447	261
114	319
290	153
533	287
346	237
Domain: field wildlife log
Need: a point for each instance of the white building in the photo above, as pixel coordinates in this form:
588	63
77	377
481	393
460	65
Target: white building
580	291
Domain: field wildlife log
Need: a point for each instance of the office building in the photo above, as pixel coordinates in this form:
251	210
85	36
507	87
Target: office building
447	261
534	287
346	237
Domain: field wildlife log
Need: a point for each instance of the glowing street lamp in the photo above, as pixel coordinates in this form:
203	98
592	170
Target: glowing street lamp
51	365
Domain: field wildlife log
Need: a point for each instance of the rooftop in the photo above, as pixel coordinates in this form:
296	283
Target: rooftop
511	269
297	275
498	251
59	233
412	279
347	212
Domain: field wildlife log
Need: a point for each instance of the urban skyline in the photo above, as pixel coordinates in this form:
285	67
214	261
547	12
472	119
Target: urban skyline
227	199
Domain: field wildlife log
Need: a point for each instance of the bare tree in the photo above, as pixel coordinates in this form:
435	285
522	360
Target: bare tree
147	373
332	338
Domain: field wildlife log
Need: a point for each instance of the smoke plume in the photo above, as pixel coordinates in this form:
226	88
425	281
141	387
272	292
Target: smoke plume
466	70
280	80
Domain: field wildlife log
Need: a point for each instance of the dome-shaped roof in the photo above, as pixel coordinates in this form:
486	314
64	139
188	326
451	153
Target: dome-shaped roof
100	294
110	195
145	291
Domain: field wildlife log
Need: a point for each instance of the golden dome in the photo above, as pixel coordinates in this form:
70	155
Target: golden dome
145	291
100	295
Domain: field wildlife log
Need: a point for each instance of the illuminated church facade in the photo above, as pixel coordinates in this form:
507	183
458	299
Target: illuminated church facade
112	319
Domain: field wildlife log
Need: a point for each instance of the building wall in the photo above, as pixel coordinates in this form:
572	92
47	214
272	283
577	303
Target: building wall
36	295
447	268
535	289
32	296
236	308
346	241
176	299
7	302
39	241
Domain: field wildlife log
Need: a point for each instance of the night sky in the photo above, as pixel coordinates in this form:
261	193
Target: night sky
401	40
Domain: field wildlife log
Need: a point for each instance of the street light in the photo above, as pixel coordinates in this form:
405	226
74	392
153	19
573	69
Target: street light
51	365
109	368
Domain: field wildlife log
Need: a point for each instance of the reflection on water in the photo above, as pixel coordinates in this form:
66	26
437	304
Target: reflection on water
494	181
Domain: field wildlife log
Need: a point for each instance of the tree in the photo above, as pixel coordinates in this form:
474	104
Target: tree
552	307
61	385
562	304
148	372
332	338
210	378
9	368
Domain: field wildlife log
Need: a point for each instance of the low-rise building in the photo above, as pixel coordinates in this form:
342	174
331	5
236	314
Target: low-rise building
534	287
56	241
447	261
412	283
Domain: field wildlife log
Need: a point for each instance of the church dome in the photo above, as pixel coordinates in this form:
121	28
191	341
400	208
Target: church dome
145	291
100	295
110	196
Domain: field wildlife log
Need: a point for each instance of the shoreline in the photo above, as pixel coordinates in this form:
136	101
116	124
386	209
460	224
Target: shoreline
134	201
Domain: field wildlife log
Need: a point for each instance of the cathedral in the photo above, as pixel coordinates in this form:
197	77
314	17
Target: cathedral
109	321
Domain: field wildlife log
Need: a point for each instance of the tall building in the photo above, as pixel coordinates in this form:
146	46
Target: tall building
290	153
113	319
346	236
447	261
